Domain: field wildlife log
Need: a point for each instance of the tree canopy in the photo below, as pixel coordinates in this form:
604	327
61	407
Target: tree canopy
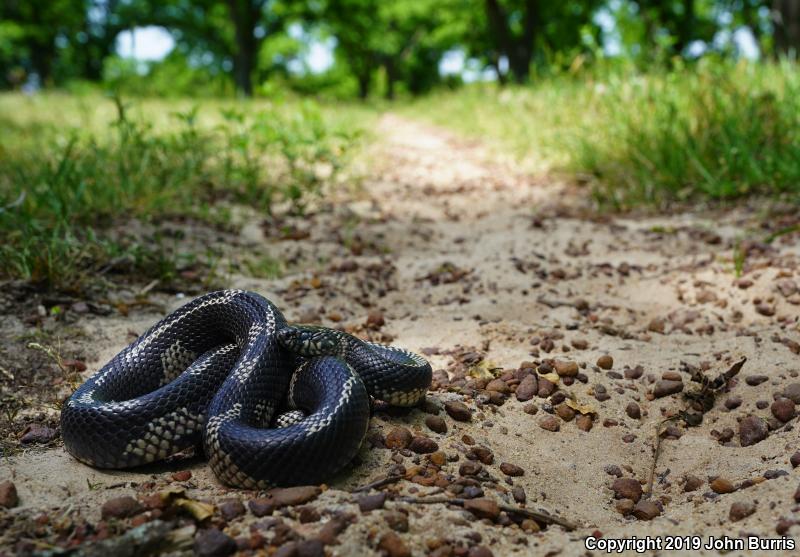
380	46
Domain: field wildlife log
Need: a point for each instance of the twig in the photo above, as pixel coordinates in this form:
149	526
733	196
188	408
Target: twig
656	454
543	517
378	483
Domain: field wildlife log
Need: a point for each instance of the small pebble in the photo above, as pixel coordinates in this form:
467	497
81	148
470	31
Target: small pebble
740	510
633	411
214	543
120	507
752	429
627	488
393	545
722	485
665	387
605	362
367	503
646	510
550	423
8	495
458	411
398	438
511	469
436	424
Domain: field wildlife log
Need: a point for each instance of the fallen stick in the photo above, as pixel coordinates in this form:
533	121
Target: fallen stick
543	517
378	483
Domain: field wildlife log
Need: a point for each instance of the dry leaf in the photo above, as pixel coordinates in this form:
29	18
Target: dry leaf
582	408
484	370
552	377
200	511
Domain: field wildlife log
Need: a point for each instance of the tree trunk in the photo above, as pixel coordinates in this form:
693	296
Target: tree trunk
391	77
245	15
363	84
518	50
786	21
685	33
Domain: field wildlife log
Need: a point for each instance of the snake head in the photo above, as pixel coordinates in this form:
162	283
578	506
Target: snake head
309	341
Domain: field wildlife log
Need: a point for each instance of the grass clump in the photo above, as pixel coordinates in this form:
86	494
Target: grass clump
63	187
710	131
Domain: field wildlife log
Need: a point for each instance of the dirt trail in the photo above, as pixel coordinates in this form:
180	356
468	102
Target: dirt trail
483	269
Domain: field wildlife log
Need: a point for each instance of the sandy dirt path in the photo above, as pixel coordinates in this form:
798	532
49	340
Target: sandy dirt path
514	290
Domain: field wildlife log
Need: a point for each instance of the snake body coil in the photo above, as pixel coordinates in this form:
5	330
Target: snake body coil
218	371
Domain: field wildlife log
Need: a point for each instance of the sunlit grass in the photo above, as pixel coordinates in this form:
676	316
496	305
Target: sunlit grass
72	166
713	131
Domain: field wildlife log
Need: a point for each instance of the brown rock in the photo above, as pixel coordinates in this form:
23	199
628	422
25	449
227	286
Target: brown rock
765	309
367	503
584	422
633	411
470	468
752	430
693	483
480	453
182	476
375	320
566	368
665	387
519	494
624	506
722	485
330	531
565	412
423	445
627	488
527	388
657	325
398	438
8	495
605	362
783	409
393	545
438	458
483	551
498	385
550	423
120	507
436	424
792	391
458	411
261	506
38	434
511	469
795	459
646	510
289	496
308	514
231	509
482	507
396	520
214	543
740	510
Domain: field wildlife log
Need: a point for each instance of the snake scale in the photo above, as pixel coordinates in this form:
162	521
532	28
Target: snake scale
273	404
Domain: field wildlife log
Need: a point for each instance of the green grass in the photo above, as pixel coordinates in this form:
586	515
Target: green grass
712	131
73	167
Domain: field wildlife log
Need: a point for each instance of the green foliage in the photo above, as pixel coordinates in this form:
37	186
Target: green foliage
61	190
711	131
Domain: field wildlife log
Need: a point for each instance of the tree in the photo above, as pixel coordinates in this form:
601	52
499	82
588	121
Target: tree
786	23
231	32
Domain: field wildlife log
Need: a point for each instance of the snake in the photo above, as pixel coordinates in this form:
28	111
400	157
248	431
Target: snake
271	403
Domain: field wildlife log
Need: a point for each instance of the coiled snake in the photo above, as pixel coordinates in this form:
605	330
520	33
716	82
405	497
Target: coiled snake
273	404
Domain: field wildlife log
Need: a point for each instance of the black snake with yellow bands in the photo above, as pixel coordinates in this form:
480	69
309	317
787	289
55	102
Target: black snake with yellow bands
221	370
